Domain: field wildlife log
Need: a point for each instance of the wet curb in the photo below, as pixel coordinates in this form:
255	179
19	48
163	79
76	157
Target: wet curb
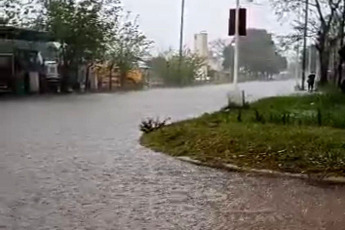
232	167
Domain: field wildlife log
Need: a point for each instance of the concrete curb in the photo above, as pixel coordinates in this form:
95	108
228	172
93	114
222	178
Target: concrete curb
232	167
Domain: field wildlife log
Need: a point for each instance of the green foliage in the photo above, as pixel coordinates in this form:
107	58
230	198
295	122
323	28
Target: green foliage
258	116
239	116
67	21
319	117
228	54
88	31
266	61
176	70
127	46
82	31
159	66
317	110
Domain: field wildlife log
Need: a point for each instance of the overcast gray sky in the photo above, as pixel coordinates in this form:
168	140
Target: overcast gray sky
160	19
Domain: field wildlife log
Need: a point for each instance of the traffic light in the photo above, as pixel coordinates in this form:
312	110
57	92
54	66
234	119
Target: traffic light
242	22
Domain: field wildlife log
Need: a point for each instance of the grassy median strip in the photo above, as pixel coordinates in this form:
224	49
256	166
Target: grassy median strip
253	138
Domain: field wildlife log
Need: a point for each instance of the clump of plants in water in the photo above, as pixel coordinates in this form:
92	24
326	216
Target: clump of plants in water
150	124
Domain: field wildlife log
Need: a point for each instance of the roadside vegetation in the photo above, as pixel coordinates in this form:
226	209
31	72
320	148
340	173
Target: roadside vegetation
176	71
299	134
89	33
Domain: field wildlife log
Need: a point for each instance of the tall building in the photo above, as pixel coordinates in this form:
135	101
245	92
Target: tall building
201	44
201	49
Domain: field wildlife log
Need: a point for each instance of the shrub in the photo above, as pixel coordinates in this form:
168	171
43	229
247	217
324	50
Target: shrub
259	117
239	116
149	125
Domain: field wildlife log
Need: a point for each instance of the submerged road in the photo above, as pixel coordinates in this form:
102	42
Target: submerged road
74	162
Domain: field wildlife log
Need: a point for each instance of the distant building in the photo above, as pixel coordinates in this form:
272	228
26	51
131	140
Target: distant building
201	44
201	49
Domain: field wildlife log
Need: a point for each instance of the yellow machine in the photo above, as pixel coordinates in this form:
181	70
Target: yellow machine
135	76
103	74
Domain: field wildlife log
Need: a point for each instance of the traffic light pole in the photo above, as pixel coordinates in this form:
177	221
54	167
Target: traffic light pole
237	23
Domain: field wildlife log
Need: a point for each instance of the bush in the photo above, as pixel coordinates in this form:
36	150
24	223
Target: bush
149	125
175	70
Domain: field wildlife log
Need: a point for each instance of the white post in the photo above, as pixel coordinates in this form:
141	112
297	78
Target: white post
237	22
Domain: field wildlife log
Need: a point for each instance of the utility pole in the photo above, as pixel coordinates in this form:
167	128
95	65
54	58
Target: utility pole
237	23
181	33
305	42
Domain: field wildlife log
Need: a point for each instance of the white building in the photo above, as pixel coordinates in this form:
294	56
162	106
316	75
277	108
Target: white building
201	44
201	49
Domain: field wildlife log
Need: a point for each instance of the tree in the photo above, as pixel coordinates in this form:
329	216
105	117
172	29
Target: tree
266	61
321	25
88	31
169	69
80	28
217	48
228	56
127	47
341	25
158	65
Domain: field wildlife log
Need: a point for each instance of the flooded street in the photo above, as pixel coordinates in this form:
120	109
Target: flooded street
74	162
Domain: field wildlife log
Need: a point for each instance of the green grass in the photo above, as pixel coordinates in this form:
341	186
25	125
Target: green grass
309	139
304	110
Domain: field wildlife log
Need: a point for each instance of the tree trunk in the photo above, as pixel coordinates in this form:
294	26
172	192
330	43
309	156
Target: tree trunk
123	78
340	72
324	62
87	80
64	72
335	66
65	77
110	78
324	55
